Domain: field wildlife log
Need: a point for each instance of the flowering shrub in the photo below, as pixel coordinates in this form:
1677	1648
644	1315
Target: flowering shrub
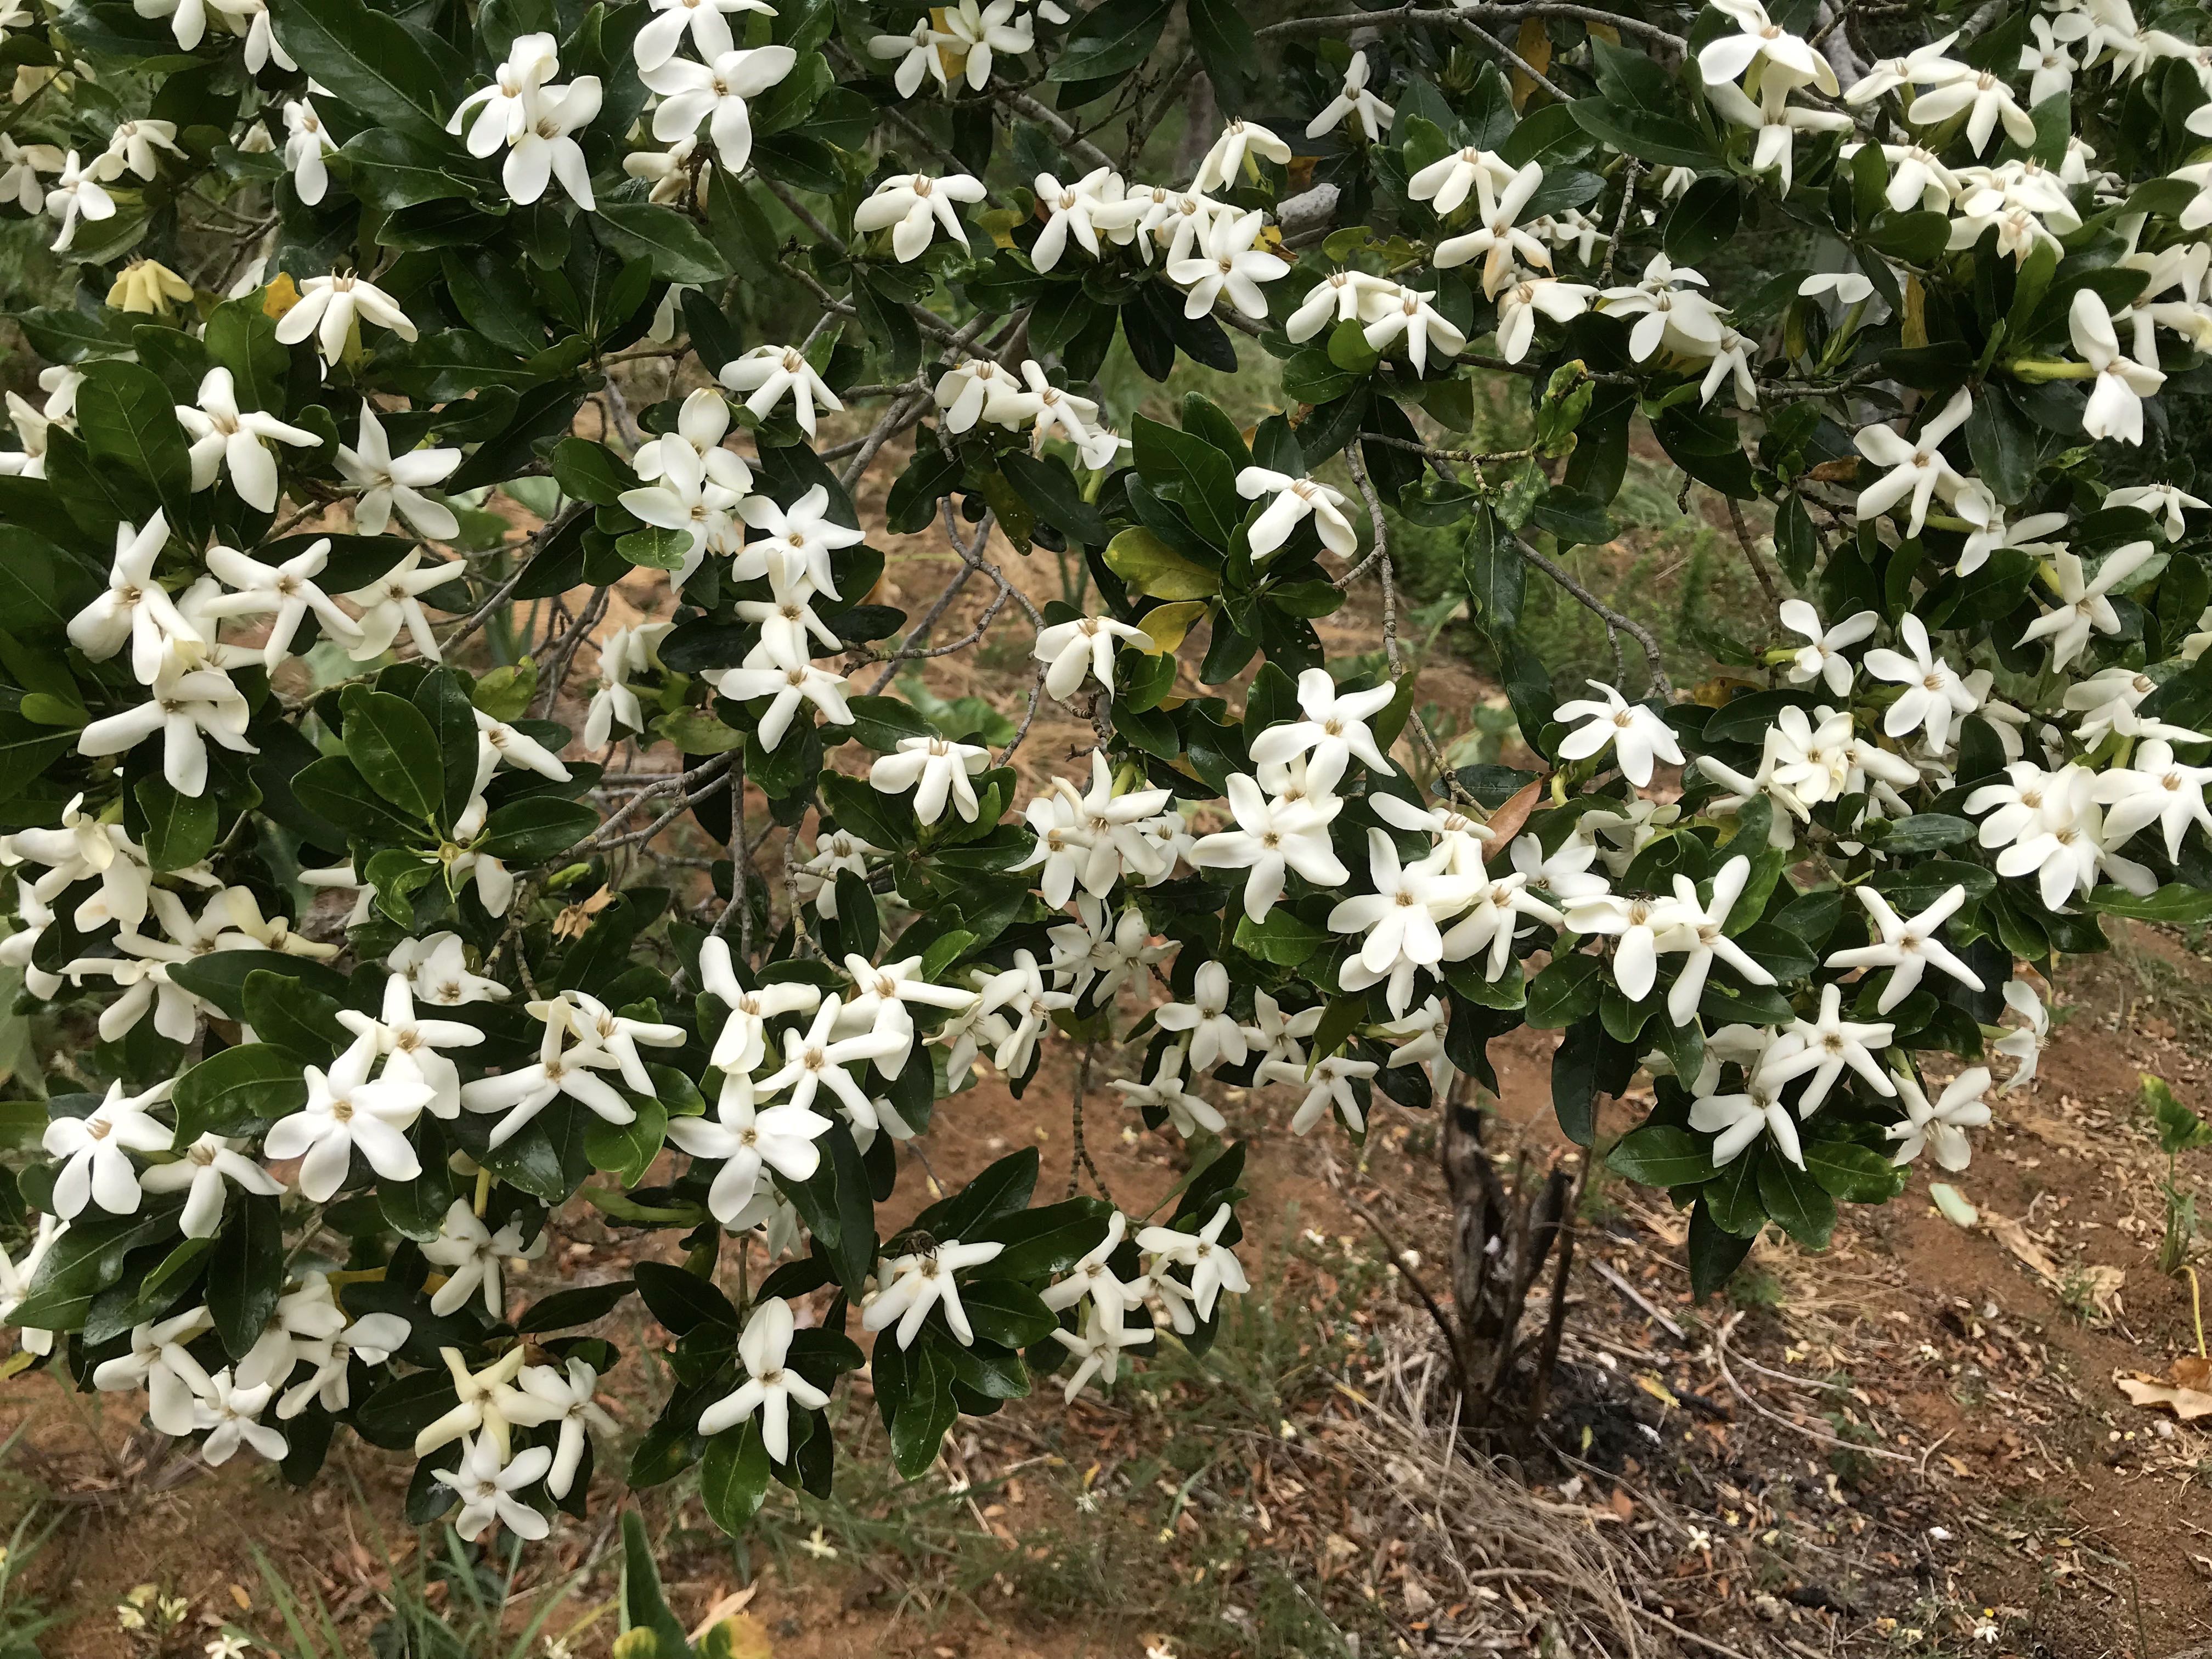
334	272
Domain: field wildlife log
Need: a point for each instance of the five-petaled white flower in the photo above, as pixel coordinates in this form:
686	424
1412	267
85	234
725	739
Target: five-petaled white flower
344	1112
328	308
1213	1266
1640	739
769	374
913	205
471	1253
1273	838
1333	733
771	1387
1939	1126
1296	498
1823	659
1916	467
715	93
937	770
1908	946
1085	646
1934	694
225	436
95	1150
1823	1046
210	1166
912	1284
487	1487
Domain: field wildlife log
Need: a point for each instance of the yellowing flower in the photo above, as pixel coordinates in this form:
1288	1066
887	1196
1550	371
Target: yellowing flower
149	286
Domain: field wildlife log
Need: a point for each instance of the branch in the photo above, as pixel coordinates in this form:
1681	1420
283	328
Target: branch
1056	124
1613	619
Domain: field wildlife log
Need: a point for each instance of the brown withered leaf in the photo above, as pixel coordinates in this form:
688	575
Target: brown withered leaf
574	921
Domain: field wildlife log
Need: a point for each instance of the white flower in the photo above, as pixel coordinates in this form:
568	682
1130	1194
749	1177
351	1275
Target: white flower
769	374
486	1397
787	689
1908	946
625	652
2155	788
1492	921
1446	183
201	1174
2024	1045
686	495
1236	152
159	1362
976	389
487	1489
1988	100
1640	738
2115	407
388	482
560	1069
373	1337
749	1139
470	1253
186	708
974	34
1092	1276
1700	932
1848	286
328	308
817	1058
504	107
879	1004
1226	260
1917	468
394	600
438	972
715	93
1933	694
1667	315
2084	604
1824	659
1187	1113
2054	68
565	1397
789	628
133	142
1824	1047
1924	66
15	1278
1333	733
657	42
1738	1120
1056	409
1406	313
1335	298
1089	952
1070	650
771	1387
1355	100
1943	1125
1211	1033
1495	235
1214	1266
289	590
76	194
1327	1083
1519	305
1792	61
345	1111
804	532
1093	202
914	205
95	1151
232	1415
1731	362
1777	121
740	1046
545	150
1020	993
1399	917
913	1284
1271	838
1098	1348
1296	498
937	770
135	606
917	52
20	168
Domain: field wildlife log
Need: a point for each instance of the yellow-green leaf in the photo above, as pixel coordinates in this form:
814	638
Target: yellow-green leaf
1150	566
1168	623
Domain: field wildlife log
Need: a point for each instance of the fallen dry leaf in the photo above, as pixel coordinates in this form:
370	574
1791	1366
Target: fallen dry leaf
2015	1238
2191	1370
2187	1404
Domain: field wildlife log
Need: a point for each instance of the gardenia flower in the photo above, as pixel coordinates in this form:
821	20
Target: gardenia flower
1666	313
1520	303
975	34
1399	917
917	53
1070	650
771	1387
1907	946
1407	314
786	689
2024	1045
1700	934
413	1044
132	144
394	600
232	1415
1933	696
1327	1083
503	108
1495	236
1211	1034
1989	100
545	150
625	652
2084	603
186	708
1824	659
20	168
210	1167
2155	788
1093	202
913	205
95	1150
1943	1125
1446	183
1187	1113
1234	153
76	194
1056	409
715	93
328	308
1227	261
394	483
486	1487
657	42
1012	1008
289	590
1213	1266
560	1069
685	495
471	1253
2115	407
1924	66
224	435
914	1283
2154	499
1777	121
1336	298
1917	468
1296	498
1355	100
1791	60
1089	952
133	606
1333	733
1823	1046
769	374
345	1111
160	1362
1736	1120
749	1137
1640	738
1093	1275
1271	838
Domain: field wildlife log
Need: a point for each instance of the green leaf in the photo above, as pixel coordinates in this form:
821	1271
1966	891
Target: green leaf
1010	1314
1495	574
563	1310
536	828
1565	991
126	415
1193	473
400	76
1112	39
2180	1129
1704	218
927	1414
682	1301
2177	902
180	829
246	1274
293	1016
644	1604
1283	938
1852	1173
1150	566
733	1477
239	1092
391	745
655	549
1796	1202
1662	1155
242	336
1715	1253
676	249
